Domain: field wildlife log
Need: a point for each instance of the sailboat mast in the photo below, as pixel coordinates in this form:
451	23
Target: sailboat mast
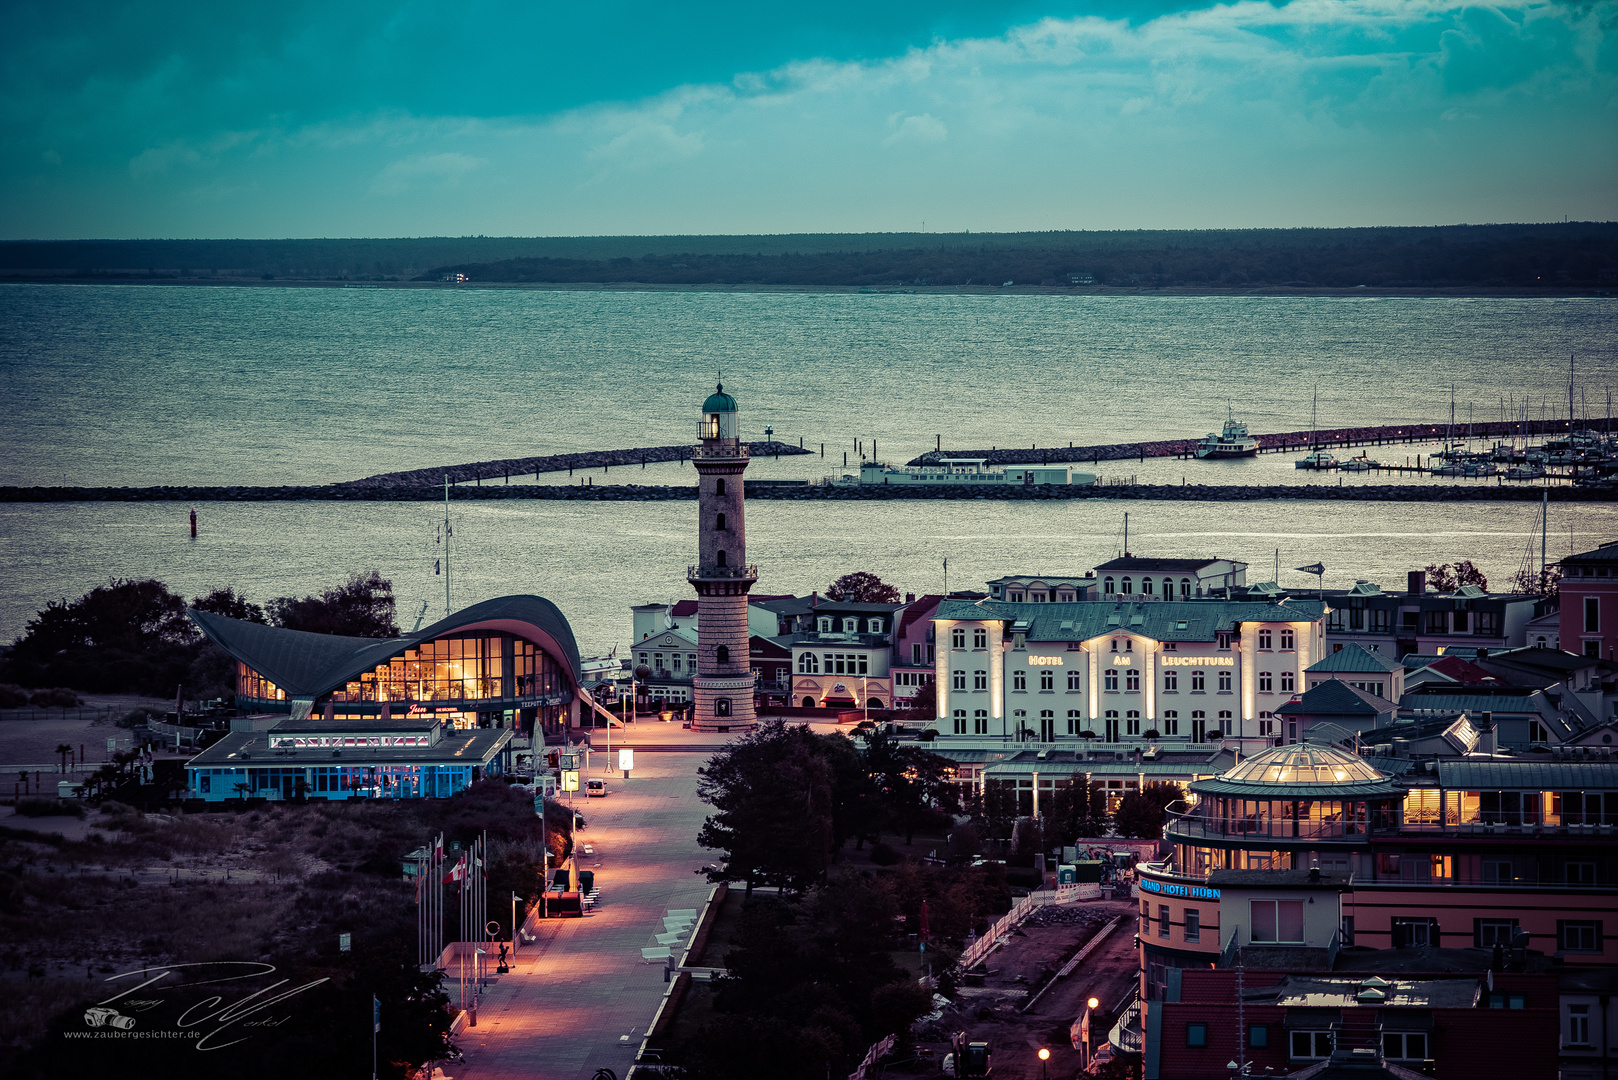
446	546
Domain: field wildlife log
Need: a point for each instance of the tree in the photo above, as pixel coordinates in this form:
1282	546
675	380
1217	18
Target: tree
1142	813
922	706
772	791
862	588
122	636
1446	578
1546	582
225	602
362	607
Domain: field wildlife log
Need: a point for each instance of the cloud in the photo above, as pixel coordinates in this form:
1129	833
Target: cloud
436	170
925	128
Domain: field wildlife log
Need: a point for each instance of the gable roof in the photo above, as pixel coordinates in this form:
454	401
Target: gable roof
1160	620
307	665
1336	698
1354	658
1130	562
1460	671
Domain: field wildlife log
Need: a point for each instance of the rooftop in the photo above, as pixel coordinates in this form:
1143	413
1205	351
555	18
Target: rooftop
1161	620
251	749
1336	698
1354	658
1606	553
1131	562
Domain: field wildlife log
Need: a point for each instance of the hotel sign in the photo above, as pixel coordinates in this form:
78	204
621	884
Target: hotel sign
1197	661
1164	888
1044	661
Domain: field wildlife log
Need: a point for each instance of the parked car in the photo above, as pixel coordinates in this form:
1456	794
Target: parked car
595	788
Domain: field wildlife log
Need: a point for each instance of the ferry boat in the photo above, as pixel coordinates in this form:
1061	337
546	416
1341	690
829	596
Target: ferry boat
1233	442
966	471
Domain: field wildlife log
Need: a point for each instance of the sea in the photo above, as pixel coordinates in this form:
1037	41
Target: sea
191	385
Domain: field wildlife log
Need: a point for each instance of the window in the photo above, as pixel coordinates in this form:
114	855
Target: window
1047	680
1266	724
1163	920
721	557
1583	937
1016	597
1507	1001
1578	1025
1073	681
1193	924
980	722
1487	933
1414	932
1289	683
1146	586
1073	719
1019	680
1264	639
1106	585
1171	722
1266	683
1258	1034
719	486
1197	682
1224	721
1224	682
1168	588
957	680
980	638
1110	679
719	523
1276	922
960	721
1131	680
1129	644
1580	873
721	655
1311	1045
851	626
1224	642
1486	623
1047	725
825	626
1114	644
1196	1034
1132	722
1438	622
1404	1045
980	680
1125	587
1199	725
1288	640
957	638
1592	614
721	706
1145	917
1171	682
1185	587
918	653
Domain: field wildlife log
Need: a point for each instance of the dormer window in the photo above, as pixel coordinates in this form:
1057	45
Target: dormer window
851	626
1016	597
875	625
825	626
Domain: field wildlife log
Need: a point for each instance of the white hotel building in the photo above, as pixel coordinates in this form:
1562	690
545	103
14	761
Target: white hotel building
1128	673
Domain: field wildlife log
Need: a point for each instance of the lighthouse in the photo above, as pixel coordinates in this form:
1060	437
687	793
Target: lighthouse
722	691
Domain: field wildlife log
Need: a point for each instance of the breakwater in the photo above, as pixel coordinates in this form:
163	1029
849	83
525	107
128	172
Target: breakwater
1466	492
1275	442
504	469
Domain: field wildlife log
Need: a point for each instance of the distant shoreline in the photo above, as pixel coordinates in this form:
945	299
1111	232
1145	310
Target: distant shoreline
1271	291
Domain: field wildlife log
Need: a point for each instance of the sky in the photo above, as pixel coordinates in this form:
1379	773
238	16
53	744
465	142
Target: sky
482	117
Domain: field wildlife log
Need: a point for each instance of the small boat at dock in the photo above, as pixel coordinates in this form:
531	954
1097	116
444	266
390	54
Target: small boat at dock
1232	442
1359	464
1320	459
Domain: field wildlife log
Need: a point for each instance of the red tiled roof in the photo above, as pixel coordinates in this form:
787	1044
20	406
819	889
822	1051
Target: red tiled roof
923	608
1464	672
685	609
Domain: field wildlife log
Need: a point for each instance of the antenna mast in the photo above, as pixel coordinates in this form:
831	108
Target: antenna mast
447	534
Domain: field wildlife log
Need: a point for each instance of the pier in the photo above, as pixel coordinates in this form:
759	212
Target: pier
1275	443
585	461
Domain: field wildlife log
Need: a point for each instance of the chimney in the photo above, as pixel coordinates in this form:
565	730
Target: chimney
814	599
1416	582
910	598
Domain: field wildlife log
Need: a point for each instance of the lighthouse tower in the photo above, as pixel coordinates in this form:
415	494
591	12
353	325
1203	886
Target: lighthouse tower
722	692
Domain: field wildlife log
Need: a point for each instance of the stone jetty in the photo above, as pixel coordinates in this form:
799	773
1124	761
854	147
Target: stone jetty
1276	442
1473	491
585	461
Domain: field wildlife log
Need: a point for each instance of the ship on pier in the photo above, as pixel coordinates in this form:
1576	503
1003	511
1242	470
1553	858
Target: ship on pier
1233	442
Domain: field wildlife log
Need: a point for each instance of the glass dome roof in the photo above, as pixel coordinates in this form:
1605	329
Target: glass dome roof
1304	763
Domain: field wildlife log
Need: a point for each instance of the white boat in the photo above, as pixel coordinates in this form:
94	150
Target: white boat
967	472
1525	472
1320	459
1359	464
1233	442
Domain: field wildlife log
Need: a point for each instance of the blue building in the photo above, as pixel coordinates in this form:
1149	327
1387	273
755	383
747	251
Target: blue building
419	716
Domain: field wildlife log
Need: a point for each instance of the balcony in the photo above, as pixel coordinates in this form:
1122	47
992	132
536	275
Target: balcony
1194	827
722	573
721	450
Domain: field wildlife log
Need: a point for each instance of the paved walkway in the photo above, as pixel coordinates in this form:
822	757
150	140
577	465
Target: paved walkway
571	997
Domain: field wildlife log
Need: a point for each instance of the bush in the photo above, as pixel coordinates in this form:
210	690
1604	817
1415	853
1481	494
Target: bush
56	697
135	718
12	696
48	808
883	855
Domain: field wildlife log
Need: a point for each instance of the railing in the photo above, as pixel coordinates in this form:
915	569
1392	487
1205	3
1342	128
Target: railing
879	1050
727	448
1274	828
740	573
1008	922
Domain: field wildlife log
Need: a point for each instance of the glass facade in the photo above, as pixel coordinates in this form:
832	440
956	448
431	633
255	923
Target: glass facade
485	667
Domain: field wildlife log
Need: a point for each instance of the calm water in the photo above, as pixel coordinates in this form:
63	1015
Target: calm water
182	385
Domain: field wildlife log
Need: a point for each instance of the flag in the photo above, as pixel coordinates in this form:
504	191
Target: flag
458	873
376	1014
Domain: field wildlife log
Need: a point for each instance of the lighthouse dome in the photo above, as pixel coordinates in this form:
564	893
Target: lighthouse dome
719	401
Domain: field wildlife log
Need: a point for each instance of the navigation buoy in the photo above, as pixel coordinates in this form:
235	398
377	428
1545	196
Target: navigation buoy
193	524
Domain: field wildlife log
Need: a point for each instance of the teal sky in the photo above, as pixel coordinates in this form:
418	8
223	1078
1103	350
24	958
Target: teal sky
414	118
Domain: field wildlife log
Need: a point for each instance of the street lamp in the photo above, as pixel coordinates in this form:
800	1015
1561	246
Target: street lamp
1044	1057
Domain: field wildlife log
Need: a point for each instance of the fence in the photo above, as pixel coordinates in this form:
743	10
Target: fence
84	713
876	1053
1008	922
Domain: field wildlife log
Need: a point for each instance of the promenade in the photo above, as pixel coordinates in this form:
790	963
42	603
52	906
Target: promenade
572	996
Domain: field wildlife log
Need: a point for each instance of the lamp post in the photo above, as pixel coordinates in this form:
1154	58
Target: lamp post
1044	1059
1092	1004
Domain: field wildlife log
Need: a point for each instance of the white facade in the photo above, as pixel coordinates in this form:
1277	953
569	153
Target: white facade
1050	673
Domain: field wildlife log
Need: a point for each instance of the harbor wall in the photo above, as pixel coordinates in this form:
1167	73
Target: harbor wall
1276	442
505	468
1467	491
